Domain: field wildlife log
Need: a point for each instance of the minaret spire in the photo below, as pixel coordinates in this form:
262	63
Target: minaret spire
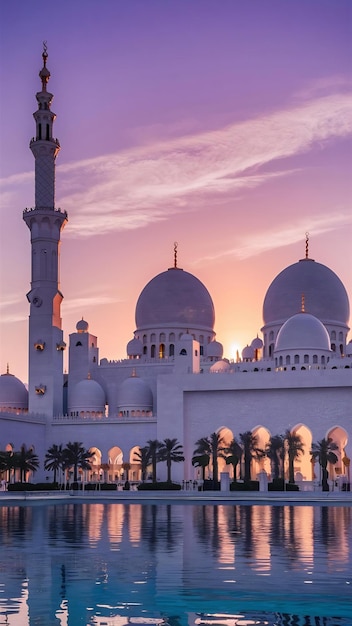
307	245
45	223
175	254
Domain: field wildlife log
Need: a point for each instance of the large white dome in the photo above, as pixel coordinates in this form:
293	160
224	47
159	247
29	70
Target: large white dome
177	299
325	296
302	331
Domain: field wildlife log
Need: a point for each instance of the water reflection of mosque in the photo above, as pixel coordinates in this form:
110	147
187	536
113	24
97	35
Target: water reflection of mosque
90	548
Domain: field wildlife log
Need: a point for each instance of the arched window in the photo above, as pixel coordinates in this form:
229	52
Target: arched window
162	351
152	351
145	349
280	361
145	339
306	358
152	337
172	337
288	360
315	358
333	347
183	352
333	335
162	337
78	343
271	335
340	336
171	349
296	359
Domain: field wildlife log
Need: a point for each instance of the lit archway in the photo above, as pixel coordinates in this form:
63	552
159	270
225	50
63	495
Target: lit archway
115	461
96	473
261	462
303	466
227	436
339	436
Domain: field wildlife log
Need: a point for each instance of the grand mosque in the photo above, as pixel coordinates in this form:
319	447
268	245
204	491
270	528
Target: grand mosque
175	381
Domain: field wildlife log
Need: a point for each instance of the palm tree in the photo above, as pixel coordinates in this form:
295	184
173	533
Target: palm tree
250	450
323	451
54	459
6	463
153	447
232	455
211	446
275	451
26	461
142	456
171	451
295	447
201	460
76	456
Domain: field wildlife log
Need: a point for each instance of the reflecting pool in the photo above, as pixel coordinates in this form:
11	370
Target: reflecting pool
110	564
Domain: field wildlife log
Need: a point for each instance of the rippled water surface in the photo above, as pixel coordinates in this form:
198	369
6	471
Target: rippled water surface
179	564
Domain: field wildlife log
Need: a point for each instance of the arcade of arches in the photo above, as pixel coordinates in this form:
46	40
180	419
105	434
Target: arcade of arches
119	467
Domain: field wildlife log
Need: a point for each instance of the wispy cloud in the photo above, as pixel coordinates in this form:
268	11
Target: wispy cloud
264	241
85	302
130	189
10	300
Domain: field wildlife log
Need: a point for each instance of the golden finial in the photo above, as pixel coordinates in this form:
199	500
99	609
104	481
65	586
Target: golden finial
307	245
45	51
175	253
7	368
303	303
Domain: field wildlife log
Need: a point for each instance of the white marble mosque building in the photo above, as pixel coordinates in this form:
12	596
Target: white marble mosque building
174	381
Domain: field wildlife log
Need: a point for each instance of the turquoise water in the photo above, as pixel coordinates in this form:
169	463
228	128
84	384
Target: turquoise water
113	564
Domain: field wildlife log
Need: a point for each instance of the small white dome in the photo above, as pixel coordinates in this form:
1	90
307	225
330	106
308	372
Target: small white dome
248	353
220	366
135	394
303	331
87	395
82	326
134	347
186	337
215	349
257	343
13	393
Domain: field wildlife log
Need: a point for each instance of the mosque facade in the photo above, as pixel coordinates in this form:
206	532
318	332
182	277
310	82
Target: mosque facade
175	381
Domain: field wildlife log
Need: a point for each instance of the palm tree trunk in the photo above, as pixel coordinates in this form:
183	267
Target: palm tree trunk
291	469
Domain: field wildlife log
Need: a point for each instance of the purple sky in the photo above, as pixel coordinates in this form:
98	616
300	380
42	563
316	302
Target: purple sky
223	125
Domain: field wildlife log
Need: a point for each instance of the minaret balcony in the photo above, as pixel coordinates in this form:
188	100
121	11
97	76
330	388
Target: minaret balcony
49	208
51	139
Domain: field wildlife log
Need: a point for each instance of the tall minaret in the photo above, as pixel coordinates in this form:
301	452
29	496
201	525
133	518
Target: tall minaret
45	222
